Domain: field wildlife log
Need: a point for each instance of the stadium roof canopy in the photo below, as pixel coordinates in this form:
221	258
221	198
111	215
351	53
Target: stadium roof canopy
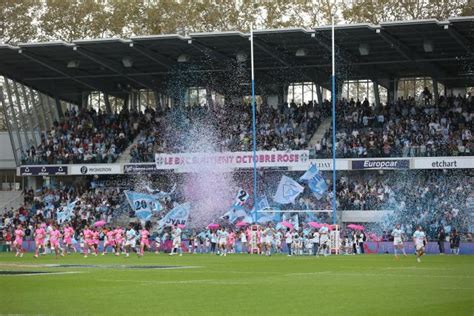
442	50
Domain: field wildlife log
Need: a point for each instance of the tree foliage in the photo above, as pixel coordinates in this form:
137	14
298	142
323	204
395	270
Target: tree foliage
67	20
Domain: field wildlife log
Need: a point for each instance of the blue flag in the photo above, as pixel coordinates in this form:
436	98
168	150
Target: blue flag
140	202
287	191
262	203
177	216
315	180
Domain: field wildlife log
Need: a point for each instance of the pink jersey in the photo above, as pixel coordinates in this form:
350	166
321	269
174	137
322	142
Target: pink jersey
54	238
40	234
144	234
118	235
110	236
231	238
95	237
87	234
19	235
68	232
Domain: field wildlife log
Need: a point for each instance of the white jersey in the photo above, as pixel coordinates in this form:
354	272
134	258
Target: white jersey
268	236
315	238
177	235
323	234
222	236
419	237
289	238
243	237
397	236
278	237
131	235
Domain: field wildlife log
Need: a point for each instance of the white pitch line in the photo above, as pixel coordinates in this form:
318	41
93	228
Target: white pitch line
36	274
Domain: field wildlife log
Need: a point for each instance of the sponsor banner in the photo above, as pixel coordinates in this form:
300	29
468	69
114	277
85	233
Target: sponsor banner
43	170
443	163
96	169
133	168
381	164
323	165
230	160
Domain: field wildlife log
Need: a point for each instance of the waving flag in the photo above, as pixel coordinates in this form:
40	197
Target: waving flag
287	191
262	203
157	194
140	202
241	197
177	216
316	182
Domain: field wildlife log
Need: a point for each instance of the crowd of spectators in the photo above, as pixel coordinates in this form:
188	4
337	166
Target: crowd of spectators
227	128
434	199
86	136
431	198
87	204
406	128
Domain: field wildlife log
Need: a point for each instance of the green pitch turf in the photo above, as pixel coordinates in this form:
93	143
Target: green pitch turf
239	285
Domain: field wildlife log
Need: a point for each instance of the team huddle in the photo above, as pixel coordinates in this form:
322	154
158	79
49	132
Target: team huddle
221	241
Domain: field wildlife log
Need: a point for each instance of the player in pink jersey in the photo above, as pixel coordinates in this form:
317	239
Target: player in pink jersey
67	240
55	236
88	240
95	241
230	241
118	240
18	242
144	242
109	241
40	234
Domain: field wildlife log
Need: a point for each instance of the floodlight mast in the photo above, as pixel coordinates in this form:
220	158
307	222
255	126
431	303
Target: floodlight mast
333	99
254	129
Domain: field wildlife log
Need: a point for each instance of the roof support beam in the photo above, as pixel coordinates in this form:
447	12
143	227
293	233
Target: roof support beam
347	57
459	39
151	55
285	60
211	52
60	70
109	65
409	54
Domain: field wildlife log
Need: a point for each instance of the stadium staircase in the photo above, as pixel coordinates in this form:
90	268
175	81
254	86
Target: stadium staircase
125	155
325	125
9	199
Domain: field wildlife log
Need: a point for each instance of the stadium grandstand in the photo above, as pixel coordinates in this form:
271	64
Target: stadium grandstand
131	164
69	107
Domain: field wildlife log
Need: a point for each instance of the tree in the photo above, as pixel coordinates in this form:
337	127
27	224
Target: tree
69	20
16	20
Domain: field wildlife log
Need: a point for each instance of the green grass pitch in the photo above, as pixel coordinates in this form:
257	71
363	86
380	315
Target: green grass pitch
239	285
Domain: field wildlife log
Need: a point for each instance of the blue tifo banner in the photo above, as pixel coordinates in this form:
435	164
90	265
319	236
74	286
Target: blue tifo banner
287	191
381	164
142	202
315	180
177	216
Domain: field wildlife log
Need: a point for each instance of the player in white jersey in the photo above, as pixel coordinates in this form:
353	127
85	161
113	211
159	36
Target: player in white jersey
324	240
419	239
268	240
397	235
222	241
130	240
176	235
278	243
